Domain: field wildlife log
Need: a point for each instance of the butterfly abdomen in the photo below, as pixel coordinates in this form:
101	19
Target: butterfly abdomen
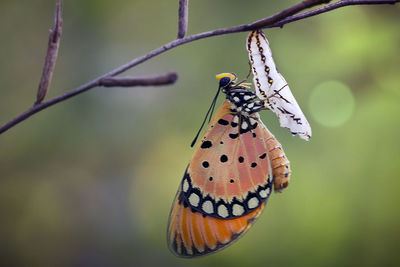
279	163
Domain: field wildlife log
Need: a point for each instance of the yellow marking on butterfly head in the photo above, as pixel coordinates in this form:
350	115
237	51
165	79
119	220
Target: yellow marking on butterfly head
232	76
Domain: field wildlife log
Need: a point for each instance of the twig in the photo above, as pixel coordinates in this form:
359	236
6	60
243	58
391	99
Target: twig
241	28
167	79
270	22
183	18
51	55
287	12
330	7
164	79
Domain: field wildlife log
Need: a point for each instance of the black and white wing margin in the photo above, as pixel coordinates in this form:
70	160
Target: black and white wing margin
273	88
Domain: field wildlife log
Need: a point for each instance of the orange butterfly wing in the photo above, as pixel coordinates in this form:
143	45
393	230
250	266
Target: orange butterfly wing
192	234
226	184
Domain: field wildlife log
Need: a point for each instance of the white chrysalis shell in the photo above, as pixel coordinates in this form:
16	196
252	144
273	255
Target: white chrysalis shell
273	88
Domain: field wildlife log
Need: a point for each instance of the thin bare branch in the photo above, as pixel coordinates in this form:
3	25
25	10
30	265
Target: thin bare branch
183	18
330	7
269	22
241	28
287	12
35	109
51	55
163	79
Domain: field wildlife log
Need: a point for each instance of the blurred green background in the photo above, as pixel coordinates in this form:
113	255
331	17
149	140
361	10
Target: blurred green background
90	181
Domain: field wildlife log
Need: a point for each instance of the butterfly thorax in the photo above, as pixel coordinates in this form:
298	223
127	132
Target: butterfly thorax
244	107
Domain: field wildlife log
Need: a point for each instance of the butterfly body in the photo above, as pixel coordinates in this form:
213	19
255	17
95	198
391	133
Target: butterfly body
229	178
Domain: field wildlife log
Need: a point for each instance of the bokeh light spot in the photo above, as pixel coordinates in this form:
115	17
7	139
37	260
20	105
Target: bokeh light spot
331	103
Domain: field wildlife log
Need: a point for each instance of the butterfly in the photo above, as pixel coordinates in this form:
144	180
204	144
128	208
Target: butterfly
230	176
273	88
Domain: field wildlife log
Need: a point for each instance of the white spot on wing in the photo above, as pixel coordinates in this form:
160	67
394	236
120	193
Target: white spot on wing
252	203
264	193
236	119
185	186
237	210
222	211
194	199
208	207
244	125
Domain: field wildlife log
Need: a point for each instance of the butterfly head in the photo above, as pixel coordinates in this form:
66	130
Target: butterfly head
226	79
227	82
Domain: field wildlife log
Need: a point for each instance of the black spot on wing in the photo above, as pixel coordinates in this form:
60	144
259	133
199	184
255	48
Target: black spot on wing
233	136
206	144
223	122
224	158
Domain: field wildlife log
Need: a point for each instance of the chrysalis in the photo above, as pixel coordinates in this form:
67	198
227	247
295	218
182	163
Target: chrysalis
272	87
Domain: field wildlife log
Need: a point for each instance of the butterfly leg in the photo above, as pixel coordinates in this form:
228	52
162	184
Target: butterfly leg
250	66
265	105
278	95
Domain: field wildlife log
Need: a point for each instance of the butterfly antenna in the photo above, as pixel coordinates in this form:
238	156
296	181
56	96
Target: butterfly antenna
248	75
210	109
